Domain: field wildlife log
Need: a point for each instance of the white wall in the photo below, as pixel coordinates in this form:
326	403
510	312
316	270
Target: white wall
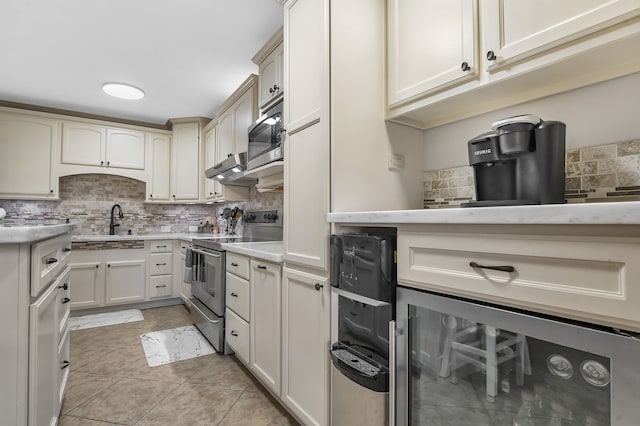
599	114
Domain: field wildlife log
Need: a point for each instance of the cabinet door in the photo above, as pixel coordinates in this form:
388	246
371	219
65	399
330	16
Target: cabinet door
86	284
124	281
186	160
83	144
43	356
212	188
224	136
125	149
306	55
518	29
265	323
28	145
243	116
429	42
269	75
306	200
160	148
305	345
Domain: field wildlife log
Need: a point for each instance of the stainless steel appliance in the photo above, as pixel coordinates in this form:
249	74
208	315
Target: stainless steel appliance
231	171
464	363
363	275
208	270
266	137
520	162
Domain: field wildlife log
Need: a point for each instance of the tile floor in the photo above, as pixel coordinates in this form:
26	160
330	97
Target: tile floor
111	383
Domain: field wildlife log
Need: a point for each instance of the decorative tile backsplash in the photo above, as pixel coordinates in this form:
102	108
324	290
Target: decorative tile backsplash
86	200
594	174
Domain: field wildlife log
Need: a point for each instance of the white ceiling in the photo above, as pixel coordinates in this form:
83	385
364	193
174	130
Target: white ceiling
187	55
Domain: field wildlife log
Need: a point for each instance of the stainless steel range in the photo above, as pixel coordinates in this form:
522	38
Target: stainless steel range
209	270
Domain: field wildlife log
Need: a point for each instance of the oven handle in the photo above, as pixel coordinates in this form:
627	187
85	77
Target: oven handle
212	321
358	298
206	253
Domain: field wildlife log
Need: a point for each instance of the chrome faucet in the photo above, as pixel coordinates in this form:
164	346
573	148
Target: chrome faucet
113	224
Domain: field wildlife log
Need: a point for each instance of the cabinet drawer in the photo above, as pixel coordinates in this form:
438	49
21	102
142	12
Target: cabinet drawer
49	258
63	365
64	300
161	246
160	286
160	264
237	335
585	278
238	264
237	297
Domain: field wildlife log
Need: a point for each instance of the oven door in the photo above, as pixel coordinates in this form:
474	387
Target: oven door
465	363
208	281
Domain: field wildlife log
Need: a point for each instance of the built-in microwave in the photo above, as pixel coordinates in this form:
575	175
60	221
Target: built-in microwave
265	138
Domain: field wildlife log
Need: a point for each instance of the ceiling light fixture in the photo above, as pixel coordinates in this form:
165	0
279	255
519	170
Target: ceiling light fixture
122	91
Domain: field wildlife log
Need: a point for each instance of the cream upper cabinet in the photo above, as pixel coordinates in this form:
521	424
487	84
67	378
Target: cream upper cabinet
305	346
29	146
159	189
244	114
432	45
211	187
185	154
517	29
224	135
87	144
269	61
528	49
306	70
235	117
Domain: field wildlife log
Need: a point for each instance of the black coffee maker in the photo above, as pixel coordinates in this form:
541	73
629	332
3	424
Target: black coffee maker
520	162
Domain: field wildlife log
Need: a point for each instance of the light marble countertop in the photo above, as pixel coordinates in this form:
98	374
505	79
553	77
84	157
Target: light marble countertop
612	213
272	251
144	237
32	233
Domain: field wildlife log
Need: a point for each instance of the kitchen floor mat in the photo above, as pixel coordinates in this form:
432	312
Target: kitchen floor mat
107	318
176	344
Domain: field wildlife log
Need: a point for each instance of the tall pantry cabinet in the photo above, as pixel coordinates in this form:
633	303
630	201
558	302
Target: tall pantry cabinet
305	289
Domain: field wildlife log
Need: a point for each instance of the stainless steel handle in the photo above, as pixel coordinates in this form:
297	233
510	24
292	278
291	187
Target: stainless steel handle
358	298
206	253
234	294
233	333
161	286
504	268
392	373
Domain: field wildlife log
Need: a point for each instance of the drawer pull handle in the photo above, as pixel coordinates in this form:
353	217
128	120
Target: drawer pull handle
51	260
161	286
234	264
161	246
233	333
64	286
505	268
234	294
66	300
65	364
262	267
67	249
161	264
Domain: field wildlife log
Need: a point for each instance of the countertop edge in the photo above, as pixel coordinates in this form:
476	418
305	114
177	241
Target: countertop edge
269	256
30	234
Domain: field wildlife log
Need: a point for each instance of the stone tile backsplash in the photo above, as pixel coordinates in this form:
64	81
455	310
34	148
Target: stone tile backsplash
594	174
86	201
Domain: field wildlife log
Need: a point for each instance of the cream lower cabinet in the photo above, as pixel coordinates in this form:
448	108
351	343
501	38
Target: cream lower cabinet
265	323
182	288
305	345
107	277
27	162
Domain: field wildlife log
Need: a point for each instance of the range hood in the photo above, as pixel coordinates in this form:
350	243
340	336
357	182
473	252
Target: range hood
231	171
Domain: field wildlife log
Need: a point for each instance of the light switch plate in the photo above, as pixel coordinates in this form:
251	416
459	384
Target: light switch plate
396	161
166	228
193	228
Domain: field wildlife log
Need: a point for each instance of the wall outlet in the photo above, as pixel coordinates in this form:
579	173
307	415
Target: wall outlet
166	228
193	228
396	161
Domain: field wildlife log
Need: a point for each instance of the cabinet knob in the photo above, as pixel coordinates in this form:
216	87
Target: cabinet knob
174	195
465	66
101	163
64	364
234	333
234	294
108	266
271	90
275	88
491	55
97	266
51	191
150	195
318	286
64	286
66	300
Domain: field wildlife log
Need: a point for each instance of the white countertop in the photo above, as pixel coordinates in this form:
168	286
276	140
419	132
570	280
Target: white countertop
272	251
31	233
611	213
137	237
